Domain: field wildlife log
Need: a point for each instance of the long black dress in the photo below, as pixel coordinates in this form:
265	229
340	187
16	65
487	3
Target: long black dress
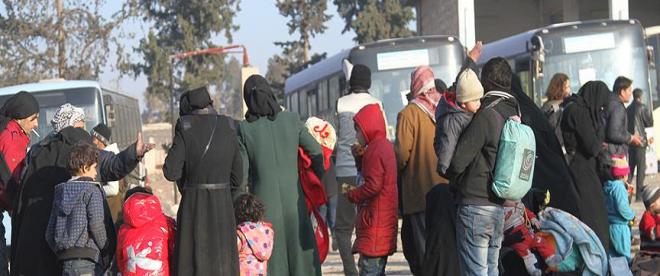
206	236
47	163
583	137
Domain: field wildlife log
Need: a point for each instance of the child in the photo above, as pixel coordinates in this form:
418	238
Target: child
454	113
146	239
619	213
76	229
519	235
376	223
254	237
649	226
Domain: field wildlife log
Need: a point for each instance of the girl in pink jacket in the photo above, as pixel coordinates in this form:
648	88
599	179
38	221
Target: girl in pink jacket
254	237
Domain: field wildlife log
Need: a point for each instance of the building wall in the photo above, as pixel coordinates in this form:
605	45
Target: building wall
496	19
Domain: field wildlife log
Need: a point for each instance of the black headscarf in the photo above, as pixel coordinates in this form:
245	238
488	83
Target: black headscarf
259	99
595	95
195	99
19	106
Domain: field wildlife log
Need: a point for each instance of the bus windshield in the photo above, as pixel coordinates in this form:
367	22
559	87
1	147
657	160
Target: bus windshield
86	98
391	85
597	56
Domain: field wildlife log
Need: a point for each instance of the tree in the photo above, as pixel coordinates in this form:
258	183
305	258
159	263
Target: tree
307	18
376	19
56	38
228	98
180	26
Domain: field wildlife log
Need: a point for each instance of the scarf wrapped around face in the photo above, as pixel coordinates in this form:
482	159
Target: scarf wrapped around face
422	87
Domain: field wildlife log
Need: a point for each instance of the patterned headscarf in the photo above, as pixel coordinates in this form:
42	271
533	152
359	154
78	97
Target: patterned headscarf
67	115
422	87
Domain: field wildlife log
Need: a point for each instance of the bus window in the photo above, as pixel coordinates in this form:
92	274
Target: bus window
302	103
322	95
334	92
294	102
312	102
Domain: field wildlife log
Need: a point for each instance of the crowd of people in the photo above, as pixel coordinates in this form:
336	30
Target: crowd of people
264	195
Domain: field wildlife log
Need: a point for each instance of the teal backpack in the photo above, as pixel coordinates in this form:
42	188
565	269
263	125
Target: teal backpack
516	156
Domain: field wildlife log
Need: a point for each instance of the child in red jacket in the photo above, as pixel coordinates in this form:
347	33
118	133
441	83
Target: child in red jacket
146	239
376	196
649	226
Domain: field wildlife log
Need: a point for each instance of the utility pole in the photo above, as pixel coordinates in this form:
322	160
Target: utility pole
61	51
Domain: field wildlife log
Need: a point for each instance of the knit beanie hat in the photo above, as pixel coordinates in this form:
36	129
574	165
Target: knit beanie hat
102	132
67	115
650	194
620	167
469	87
360	77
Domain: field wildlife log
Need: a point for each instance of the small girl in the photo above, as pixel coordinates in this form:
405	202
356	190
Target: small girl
619	213
254	237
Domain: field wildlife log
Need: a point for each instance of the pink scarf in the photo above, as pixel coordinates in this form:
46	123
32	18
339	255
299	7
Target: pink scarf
422	87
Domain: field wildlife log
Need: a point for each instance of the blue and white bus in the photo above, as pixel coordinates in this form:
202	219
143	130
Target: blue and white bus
590	50
315	90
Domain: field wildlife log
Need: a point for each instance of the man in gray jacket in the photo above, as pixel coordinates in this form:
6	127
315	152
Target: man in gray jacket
617	136
639	118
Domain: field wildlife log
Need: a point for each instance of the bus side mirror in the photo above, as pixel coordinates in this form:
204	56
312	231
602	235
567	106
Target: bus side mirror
110	115
650	55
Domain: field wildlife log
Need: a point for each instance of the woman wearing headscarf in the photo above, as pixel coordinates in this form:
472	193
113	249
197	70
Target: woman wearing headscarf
270	138
18	118
206	163
47	167
584	134
416	159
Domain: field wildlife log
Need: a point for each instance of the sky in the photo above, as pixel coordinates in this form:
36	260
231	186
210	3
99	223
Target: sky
260	25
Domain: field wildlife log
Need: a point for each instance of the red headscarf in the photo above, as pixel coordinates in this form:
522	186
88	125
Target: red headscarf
422	87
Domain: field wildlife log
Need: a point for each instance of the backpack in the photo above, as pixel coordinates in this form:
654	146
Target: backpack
516	154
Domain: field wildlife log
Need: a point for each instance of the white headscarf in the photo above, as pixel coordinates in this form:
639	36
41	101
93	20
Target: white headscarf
67	115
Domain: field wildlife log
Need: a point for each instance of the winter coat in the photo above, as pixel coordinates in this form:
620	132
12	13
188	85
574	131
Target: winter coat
416	159
452	120
376	222
13	148
639	118
441	255
255	246
145	244
47	167
75	228
649	229
616	134
347	107
619	215
580	137
271	148
474	158
206	234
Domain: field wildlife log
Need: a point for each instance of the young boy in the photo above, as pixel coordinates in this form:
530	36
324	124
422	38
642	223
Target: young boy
76	229
619	213
376	223
455	113
649	226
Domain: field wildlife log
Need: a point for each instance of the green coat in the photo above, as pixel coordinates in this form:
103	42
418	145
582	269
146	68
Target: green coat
271	148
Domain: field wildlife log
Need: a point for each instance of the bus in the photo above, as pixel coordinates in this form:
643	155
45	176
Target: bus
653	44
590	50
120	112
315	90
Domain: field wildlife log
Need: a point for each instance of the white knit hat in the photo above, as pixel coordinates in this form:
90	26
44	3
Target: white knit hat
469	87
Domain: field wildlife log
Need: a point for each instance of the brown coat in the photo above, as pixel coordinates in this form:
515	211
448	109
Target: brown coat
416	159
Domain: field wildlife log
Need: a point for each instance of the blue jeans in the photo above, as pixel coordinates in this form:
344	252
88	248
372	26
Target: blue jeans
329	212
80	267
479	235
372	266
